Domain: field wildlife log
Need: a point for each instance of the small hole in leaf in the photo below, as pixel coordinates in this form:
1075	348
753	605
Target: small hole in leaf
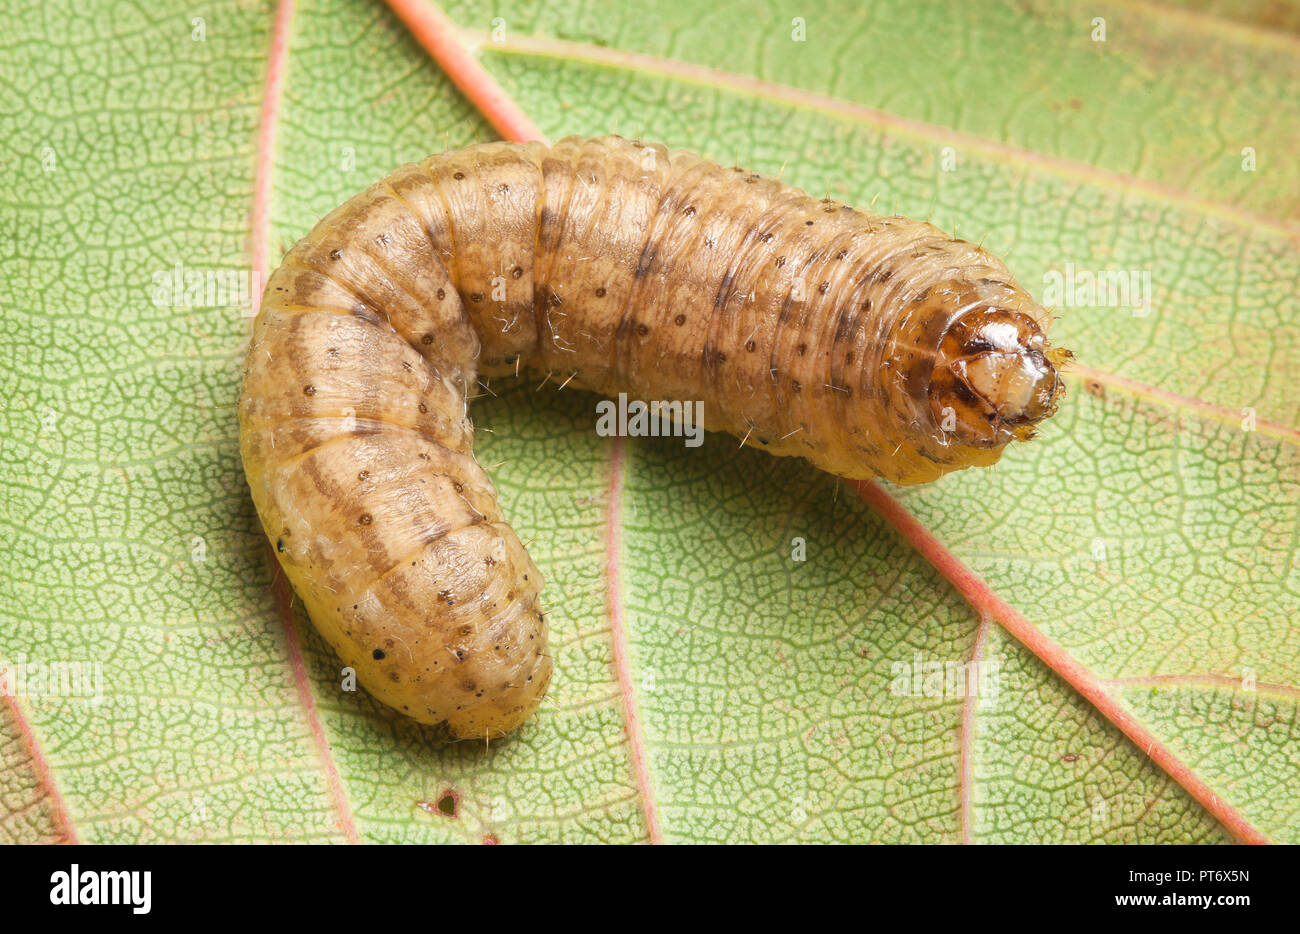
448	803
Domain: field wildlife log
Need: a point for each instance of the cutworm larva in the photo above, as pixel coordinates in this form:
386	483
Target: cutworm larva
872	346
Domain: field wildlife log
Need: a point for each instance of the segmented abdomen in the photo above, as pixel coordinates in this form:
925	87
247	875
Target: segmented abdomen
804	326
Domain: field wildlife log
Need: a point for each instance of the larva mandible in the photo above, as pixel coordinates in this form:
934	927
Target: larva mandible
872	346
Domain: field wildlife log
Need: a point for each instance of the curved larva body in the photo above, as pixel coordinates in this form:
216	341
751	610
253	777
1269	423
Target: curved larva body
871	346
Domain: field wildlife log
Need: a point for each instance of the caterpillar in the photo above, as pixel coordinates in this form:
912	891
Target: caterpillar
871	346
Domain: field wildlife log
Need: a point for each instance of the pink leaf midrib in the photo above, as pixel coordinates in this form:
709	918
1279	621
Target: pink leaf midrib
985	601
1208	410
272	93
621	643
969	720
307	700
259	247
433	30
40	765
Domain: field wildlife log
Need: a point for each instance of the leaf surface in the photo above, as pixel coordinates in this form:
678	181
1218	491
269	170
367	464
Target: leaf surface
1150	532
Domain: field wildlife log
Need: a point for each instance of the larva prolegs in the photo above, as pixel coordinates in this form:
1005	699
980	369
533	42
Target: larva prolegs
872	346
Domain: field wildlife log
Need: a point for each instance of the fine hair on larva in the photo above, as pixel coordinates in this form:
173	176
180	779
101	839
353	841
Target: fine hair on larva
871	346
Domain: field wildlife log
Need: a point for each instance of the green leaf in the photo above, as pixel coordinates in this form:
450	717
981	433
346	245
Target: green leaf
1150	534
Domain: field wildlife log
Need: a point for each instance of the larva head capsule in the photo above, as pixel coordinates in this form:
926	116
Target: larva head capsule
977	367
994	377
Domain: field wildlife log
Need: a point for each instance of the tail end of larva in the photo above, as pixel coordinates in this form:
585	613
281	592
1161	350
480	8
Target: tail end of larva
511	707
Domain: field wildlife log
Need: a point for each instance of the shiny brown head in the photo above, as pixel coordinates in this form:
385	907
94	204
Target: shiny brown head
994	377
